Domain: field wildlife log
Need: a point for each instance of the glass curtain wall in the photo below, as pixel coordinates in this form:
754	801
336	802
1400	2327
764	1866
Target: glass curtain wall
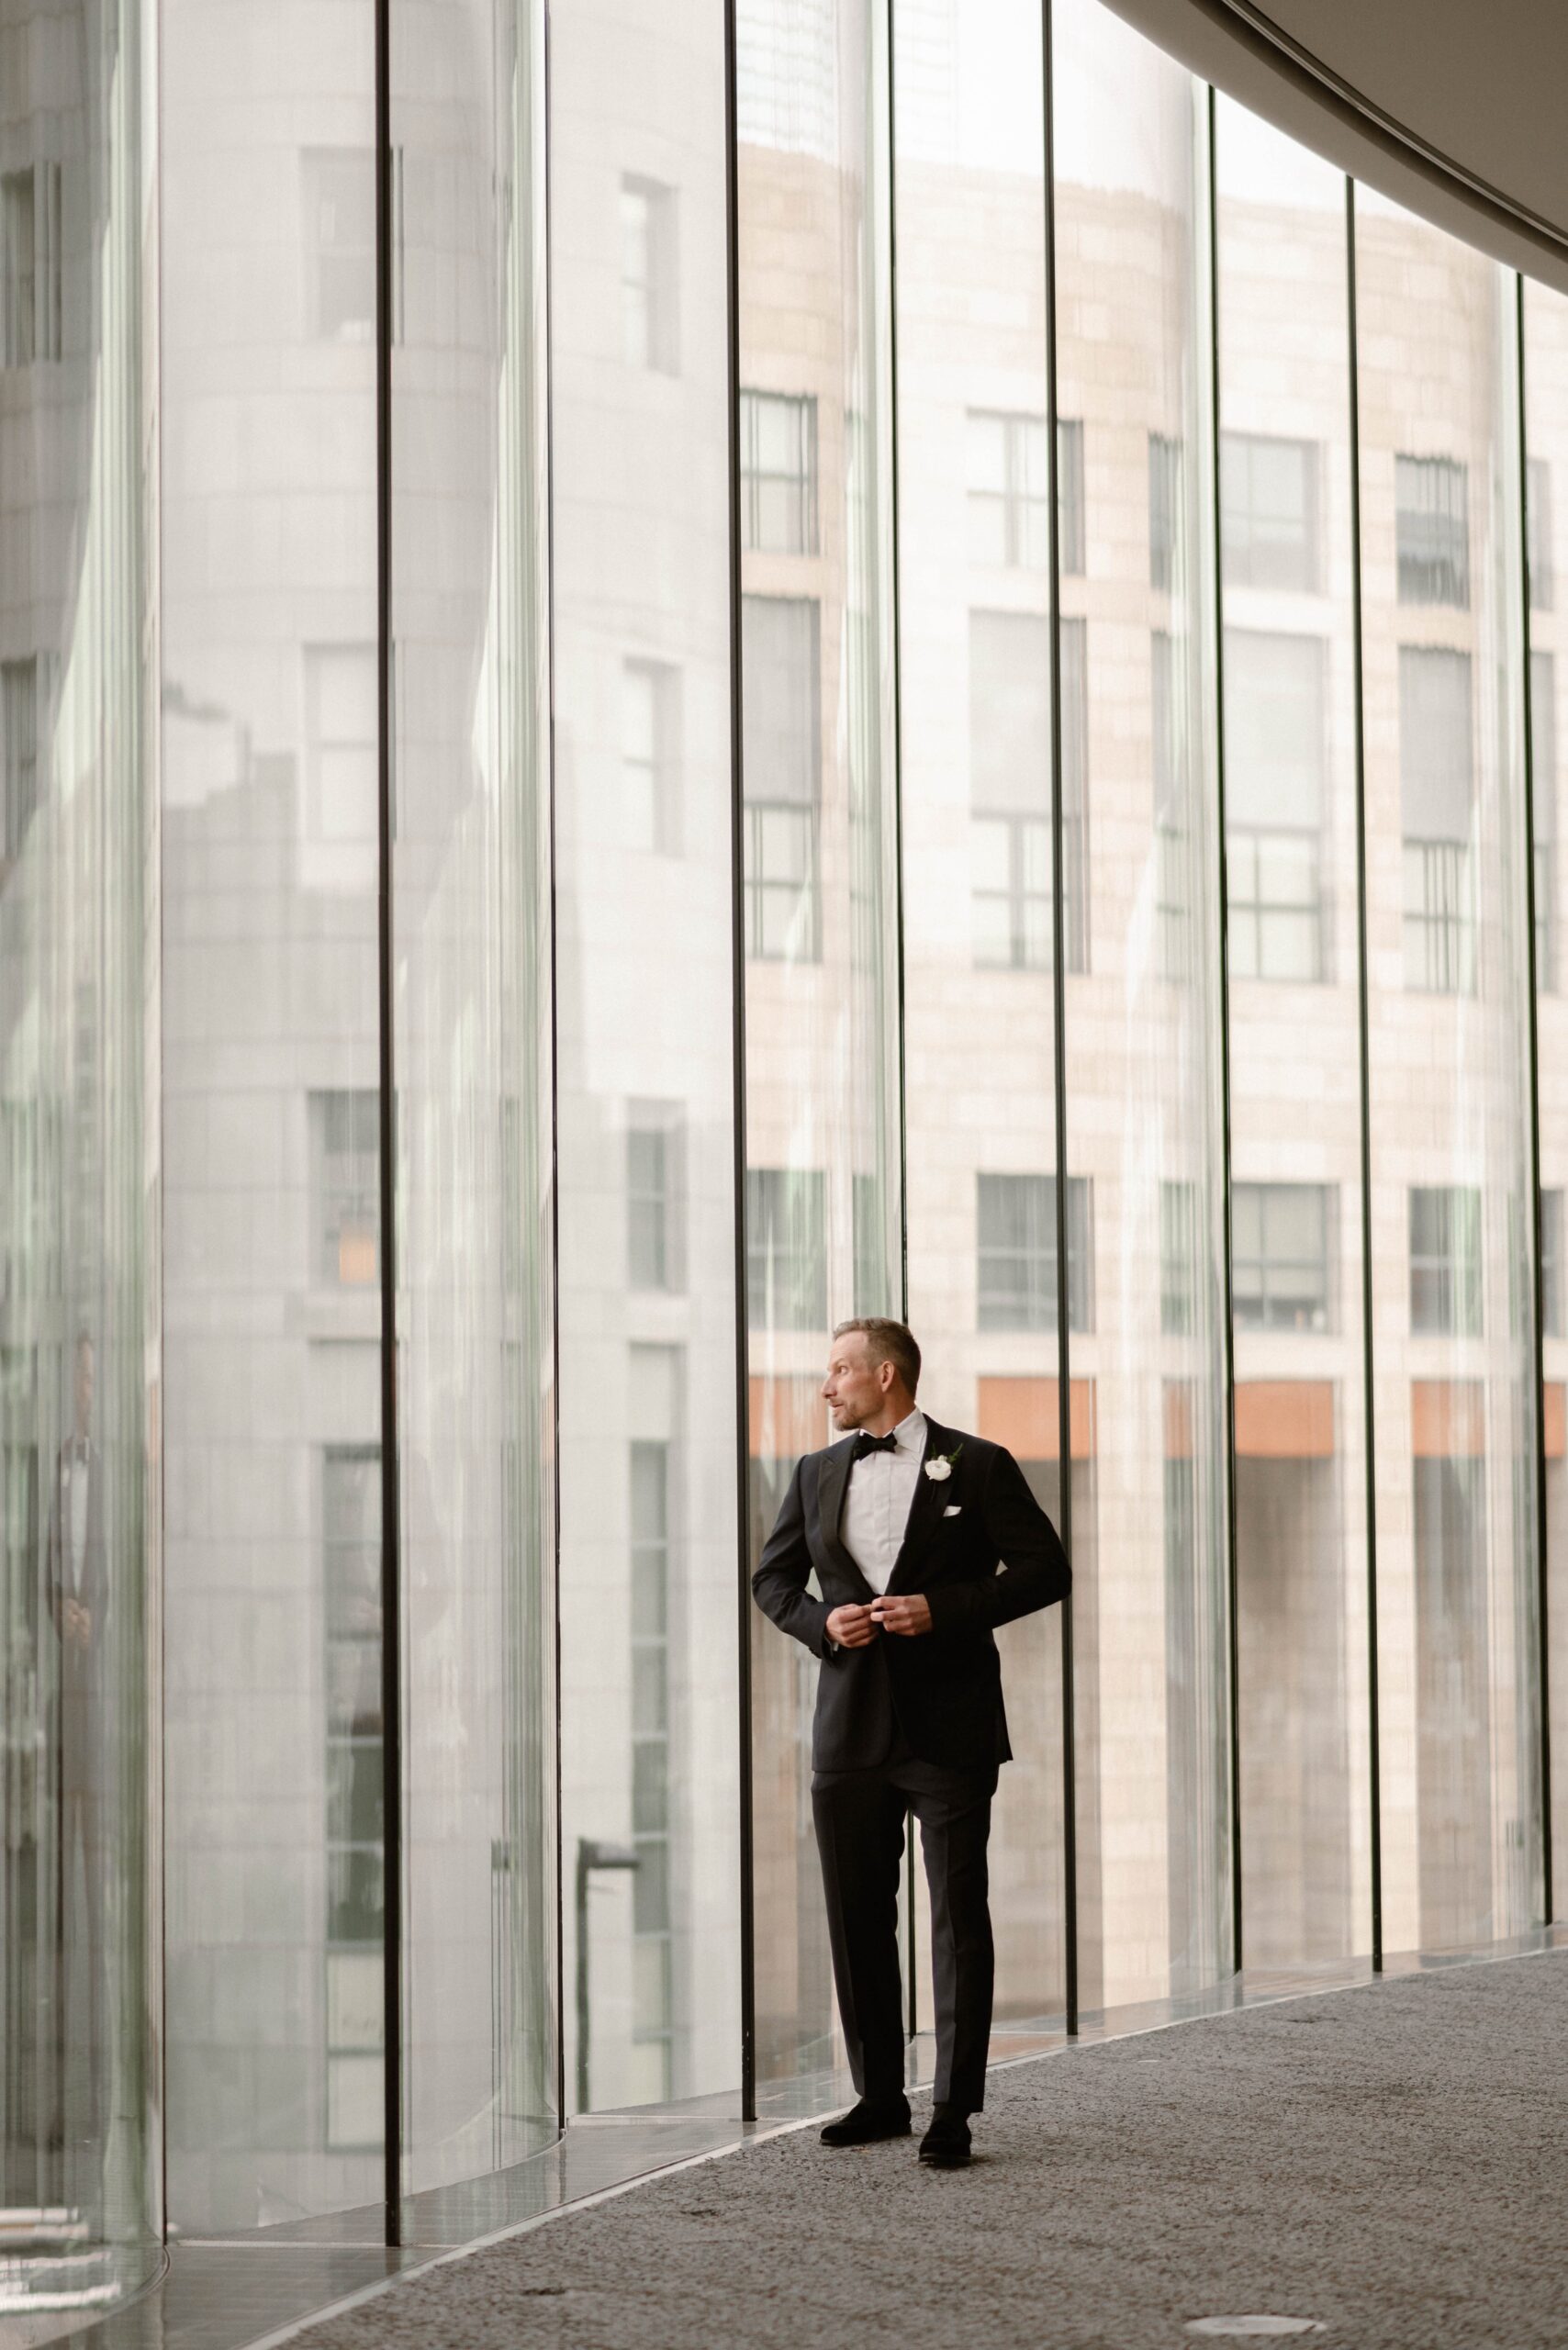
823	1207
470	1029
1150	1625
975	483
645	1013
191	1022
1546	440
79	2157
272	1263
1449	1029
1287	546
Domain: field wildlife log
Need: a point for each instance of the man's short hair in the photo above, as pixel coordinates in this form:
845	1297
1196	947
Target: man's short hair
887	1342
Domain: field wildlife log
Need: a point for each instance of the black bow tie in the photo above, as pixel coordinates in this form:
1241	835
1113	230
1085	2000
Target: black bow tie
865	1444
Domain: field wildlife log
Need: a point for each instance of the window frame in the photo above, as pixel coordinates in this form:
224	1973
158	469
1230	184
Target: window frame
1239	548
802	406
1438	573
1450	1270
1272	1261
1030	1305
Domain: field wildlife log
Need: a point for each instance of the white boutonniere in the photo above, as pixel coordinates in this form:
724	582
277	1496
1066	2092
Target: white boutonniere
939	1468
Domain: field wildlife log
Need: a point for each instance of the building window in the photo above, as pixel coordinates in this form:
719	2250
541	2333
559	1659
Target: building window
1009	491
652	1990
1180	1235
1432	522
1445	1261
339	234
783	779
1437	789
342	736
1538	532
17	196
351	1577
1552	1320
1273	791
34	288
1165	534
20	751
649	307
1269	507
1275	910
871	1294
345	1150
786	1238
1016	1253
1544	810
1070	496
654	1195
1010	783
1279	1252
779	474
650	725
1174	879
1010	787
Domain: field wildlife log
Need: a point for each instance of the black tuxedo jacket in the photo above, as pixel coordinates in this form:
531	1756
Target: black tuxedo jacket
978	1547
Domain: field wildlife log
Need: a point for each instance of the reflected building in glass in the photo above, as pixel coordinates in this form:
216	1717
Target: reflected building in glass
876	659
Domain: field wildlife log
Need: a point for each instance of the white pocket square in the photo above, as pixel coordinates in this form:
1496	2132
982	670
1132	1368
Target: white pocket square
953	1509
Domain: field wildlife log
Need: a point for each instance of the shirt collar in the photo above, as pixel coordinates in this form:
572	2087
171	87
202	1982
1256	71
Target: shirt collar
909	1433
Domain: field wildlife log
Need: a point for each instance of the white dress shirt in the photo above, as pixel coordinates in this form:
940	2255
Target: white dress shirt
878	1503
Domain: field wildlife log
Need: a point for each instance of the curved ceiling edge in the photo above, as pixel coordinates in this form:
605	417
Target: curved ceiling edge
1238	47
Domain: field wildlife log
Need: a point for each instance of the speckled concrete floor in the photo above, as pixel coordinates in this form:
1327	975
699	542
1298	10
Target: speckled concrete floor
1391	2163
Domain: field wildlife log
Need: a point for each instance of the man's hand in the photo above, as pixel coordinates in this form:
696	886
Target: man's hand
851	1627
908	1617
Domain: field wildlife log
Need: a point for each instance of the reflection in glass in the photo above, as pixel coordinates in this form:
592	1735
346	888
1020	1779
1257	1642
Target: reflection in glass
650	1755
1287	554
975	486
471	936
1546	435
1150	1638
272	1157
821	884
80	2187
1447	920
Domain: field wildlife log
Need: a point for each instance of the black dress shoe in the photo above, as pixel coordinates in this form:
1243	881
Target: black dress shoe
945	2145
865	2123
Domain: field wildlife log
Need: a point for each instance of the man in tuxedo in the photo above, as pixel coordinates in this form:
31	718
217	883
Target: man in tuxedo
923	1540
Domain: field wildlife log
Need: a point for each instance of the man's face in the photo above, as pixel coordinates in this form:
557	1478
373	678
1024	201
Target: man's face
855	1387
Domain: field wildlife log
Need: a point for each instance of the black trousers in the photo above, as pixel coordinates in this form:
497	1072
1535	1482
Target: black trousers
859	1818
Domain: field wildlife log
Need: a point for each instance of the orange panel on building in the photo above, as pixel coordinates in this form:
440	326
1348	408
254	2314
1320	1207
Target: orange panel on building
1448	1419
788	1417
1024	1416
1555	1431
1285	1420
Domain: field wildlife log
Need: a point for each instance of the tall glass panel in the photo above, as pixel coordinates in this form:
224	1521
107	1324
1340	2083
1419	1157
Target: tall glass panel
1452	1250
1546	441
471	1026
272	1115
80	2190
650	1754
822	1208
1287	554
975	483
1143	1023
